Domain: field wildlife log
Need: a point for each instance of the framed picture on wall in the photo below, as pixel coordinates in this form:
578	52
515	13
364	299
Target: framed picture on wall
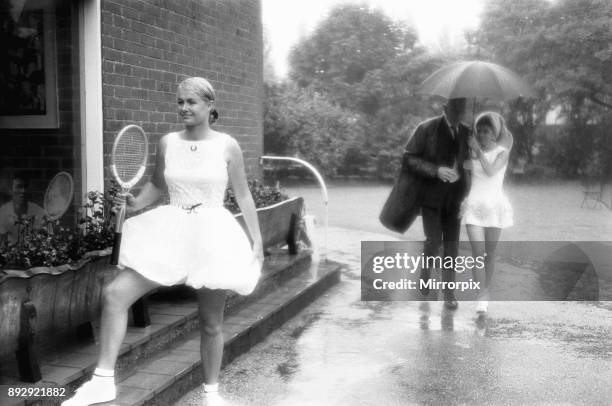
28	67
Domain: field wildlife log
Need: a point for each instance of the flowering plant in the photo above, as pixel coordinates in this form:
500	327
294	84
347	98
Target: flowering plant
54	244
262	196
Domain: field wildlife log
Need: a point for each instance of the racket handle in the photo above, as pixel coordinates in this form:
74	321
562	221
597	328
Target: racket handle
116	249
118	233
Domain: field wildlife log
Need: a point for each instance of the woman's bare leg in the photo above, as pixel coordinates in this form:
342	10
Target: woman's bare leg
211	305
476	234
119	295
491	238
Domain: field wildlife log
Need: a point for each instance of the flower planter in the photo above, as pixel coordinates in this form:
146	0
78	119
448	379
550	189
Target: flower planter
279	223
44	307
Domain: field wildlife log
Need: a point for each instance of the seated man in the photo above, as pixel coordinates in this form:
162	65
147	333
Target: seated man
18	207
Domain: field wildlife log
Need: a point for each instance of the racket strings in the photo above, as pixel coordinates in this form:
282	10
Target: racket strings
129	155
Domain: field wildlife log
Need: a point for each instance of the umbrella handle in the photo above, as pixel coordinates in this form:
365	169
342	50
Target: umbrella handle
472	129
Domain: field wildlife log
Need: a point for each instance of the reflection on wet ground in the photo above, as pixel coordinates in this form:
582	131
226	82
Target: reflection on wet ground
342	351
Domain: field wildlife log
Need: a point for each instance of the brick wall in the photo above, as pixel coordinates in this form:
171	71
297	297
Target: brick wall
149	46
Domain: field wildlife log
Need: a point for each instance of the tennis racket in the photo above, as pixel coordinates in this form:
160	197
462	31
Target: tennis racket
128	165
58	197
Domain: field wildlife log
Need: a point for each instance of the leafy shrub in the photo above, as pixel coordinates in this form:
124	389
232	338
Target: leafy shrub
262	196
96	225
37	248
52	244
304	123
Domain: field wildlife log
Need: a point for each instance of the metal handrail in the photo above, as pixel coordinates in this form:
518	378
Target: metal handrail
321	184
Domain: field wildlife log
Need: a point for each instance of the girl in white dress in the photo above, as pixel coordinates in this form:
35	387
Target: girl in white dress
486	208
193	240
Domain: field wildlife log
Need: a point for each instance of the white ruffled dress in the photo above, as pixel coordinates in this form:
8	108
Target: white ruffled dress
486	204
193	240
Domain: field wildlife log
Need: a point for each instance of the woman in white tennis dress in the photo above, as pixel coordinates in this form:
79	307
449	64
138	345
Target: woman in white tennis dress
486	210
193	240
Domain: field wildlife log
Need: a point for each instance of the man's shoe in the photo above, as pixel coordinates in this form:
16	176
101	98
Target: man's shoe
92	392
425	276
450	302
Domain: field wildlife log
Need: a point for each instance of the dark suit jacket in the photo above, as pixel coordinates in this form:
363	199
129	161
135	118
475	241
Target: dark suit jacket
431	146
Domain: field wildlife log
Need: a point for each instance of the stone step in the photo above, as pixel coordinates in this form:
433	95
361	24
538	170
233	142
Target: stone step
173	313
167	377
289	283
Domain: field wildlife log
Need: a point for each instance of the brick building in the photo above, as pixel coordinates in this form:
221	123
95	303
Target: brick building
75	72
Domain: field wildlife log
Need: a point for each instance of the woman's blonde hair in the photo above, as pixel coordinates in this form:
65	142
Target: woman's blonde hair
204	90
503	136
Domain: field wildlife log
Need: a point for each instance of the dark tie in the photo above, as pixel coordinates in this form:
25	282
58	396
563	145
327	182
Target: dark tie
453	132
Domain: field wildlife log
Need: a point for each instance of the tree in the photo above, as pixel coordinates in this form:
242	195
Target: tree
508	34
399	108
363	62
268	64
564	49
303	123
276	138
577	44
351	42
321	132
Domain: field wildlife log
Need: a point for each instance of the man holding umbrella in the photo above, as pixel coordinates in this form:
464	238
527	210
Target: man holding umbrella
439	158
433	177
436	151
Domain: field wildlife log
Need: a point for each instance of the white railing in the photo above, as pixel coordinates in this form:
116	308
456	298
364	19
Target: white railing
321	184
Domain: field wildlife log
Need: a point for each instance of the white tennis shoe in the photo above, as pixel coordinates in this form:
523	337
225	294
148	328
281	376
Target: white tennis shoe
92	392
214	399
482	306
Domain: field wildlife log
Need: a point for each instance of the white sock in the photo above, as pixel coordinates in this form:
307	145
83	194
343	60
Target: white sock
101	374
211	388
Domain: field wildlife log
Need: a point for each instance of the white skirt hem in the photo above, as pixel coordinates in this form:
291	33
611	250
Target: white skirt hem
203	248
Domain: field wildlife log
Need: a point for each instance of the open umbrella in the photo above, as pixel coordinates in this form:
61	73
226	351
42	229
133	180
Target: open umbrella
472	79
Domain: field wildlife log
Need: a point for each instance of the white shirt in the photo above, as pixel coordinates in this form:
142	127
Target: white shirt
8	217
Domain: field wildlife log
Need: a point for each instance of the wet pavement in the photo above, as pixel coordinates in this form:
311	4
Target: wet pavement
343	351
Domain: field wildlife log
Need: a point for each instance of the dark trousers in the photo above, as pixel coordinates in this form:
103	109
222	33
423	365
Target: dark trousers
442	225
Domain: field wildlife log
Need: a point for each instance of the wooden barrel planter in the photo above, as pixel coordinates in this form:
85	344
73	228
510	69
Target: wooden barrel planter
44	307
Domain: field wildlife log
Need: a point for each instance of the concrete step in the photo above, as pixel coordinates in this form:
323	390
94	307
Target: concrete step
153	361
164	379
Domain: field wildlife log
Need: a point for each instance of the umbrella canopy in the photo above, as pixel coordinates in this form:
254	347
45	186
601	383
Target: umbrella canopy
471	79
